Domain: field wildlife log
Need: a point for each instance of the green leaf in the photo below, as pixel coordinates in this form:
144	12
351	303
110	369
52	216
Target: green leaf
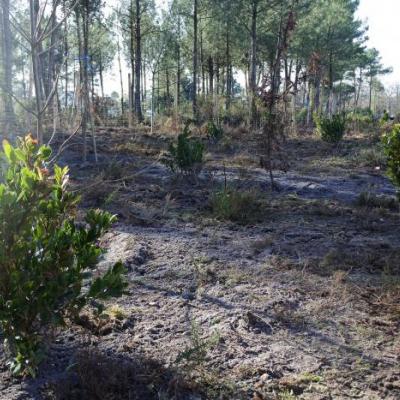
112	284
45	152
8	151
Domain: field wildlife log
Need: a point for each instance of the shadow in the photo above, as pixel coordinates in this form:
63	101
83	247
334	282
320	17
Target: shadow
94	374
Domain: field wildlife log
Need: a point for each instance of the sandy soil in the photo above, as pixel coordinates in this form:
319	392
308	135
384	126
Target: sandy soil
300	302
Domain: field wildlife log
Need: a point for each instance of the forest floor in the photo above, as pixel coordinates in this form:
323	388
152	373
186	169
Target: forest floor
302	301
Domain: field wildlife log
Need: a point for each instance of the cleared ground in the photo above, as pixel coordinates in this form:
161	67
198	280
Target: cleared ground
302	301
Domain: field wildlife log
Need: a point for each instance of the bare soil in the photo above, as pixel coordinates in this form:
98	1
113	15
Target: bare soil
301	302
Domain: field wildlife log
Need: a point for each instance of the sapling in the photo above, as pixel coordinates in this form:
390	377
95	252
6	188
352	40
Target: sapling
47	258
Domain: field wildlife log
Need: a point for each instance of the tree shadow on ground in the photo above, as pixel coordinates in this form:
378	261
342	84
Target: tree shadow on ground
94	374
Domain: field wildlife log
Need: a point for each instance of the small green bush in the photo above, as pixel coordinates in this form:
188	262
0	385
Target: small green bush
331	129
391	145
233	205
46	258
385	118
214	132
186	157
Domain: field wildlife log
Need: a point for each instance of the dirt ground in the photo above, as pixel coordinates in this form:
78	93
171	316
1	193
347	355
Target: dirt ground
301	302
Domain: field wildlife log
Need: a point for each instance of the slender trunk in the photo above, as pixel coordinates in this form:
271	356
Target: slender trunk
35	70
121	80
330	93
203	81
85	85
101	76
131	88
152	99
158	91
6	79
167	91
228	70
253	63
211	75
82	86
178	80
143	87
370	94
217	78
308	103
130	101
195	61
66	50
138	63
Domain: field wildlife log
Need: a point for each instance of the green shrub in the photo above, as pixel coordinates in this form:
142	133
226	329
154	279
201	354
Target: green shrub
214	132
385	118
186	157
233	205
391	144
45	255
331	129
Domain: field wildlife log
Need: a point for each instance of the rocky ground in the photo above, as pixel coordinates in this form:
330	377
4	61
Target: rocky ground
301	301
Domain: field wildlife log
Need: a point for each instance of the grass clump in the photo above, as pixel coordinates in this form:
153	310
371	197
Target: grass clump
373	157
234	205
196	354
331	129
47	258
371	200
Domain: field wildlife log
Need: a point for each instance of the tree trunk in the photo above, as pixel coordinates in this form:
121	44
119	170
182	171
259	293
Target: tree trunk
85	83
211	75
66	50
370	94
35	70
168	93
138	63
203	80
7	90
101	76
228	71
253	63
217	79
120	78
130	101
131	88
195	62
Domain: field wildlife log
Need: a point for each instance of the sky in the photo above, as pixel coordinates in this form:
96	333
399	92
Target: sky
382	17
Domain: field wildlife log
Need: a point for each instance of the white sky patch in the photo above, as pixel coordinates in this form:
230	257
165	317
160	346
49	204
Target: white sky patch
382	17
